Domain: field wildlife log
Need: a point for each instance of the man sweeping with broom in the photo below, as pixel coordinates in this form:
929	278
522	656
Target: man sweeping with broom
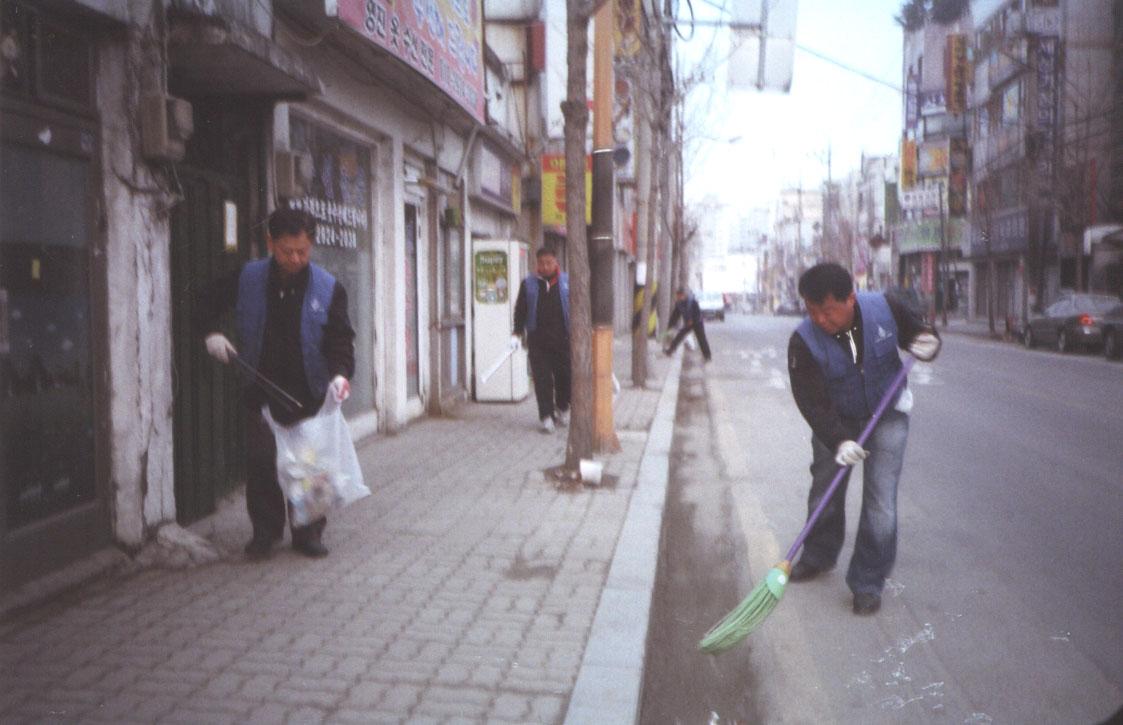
849	382
842	360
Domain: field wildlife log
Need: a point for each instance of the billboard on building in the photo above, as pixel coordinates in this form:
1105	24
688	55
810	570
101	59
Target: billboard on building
440	39
553	190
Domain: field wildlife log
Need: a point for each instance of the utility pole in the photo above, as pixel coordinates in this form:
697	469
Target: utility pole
944	259
602	250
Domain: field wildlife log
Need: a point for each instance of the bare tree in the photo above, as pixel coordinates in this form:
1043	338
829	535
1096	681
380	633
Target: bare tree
576	113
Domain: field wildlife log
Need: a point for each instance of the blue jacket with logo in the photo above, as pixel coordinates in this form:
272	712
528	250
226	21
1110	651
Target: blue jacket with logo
314	315
854	390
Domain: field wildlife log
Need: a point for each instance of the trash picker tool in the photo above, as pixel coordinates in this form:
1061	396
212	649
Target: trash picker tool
282	398
760	602
495	365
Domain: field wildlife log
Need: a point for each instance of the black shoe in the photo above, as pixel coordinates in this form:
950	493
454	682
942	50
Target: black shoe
312	547
802	571
259	548
866	604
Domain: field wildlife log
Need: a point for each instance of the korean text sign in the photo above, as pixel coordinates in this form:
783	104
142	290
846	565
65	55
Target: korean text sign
441	39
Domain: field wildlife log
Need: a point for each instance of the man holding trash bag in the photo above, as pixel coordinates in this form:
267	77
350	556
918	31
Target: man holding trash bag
542	310
293	328
842	360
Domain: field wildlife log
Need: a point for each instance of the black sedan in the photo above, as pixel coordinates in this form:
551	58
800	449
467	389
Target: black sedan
1070	322
1112	328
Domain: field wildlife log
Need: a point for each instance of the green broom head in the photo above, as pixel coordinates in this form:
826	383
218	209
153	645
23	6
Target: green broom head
736	625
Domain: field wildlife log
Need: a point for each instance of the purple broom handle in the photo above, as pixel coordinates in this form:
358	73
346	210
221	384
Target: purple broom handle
901	375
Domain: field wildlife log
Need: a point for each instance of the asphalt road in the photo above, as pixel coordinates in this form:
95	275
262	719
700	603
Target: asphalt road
1006	603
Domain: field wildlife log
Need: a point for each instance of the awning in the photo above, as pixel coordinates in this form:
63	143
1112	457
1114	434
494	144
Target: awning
225	58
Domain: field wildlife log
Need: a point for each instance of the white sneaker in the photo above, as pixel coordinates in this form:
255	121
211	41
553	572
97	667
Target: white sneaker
562	417
547	425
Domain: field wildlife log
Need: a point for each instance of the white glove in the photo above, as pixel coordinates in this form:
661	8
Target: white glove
515	341
925	346
850	453
219	347
340	388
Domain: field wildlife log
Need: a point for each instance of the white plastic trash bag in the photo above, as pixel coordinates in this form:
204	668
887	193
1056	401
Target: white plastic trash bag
316	463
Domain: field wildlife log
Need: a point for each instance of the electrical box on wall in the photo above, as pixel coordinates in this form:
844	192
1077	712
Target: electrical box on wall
294	170
166	123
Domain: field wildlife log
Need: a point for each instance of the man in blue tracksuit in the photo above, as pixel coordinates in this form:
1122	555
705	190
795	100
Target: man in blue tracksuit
293	327
841	361
542	310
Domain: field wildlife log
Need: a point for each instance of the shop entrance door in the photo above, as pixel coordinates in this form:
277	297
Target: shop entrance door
210	237
52	422
208	414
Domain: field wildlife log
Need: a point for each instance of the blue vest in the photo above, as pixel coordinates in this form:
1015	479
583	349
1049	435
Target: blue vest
531	285
313	316
856	391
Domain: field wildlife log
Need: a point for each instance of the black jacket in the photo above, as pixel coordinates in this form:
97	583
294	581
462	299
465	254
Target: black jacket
688	310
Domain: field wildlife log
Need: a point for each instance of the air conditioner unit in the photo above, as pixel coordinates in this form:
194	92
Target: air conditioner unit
293	172
166	123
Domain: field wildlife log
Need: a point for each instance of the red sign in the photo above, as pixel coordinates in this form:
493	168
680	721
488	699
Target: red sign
441	39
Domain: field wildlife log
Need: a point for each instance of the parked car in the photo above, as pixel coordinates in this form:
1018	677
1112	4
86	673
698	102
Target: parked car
1074	321
1111	326
712	305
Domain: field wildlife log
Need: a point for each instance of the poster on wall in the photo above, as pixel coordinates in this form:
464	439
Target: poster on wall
491	277
553	190
441	39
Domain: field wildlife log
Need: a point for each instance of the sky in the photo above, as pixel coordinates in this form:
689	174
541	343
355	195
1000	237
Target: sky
748	145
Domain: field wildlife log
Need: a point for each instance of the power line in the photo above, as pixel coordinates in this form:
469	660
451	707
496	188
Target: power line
846	67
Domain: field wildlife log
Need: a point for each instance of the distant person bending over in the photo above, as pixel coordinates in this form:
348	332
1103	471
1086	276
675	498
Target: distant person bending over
686	308
841	360
542	311
294	329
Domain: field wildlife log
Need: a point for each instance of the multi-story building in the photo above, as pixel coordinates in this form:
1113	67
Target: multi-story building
1043	103
932	232
795	245
860	221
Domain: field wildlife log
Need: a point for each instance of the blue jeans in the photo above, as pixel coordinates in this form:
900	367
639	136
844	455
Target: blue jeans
875	548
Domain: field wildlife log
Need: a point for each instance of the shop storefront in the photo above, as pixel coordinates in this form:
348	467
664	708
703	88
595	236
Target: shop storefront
53	408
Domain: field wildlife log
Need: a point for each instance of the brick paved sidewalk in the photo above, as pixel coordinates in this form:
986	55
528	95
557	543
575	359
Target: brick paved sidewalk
462	590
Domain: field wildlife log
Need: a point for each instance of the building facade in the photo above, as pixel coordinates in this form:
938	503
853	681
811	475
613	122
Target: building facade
142	146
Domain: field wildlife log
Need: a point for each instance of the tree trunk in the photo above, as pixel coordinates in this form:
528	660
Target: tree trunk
576	113
643	227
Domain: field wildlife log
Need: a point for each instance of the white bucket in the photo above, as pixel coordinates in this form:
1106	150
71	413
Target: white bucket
590	471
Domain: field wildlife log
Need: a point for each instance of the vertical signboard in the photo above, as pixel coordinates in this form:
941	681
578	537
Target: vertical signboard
908	164
958	163
441	39
912	101
957	69
1045	117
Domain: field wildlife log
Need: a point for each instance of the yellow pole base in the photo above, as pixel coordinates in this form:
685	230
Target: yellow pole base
604	433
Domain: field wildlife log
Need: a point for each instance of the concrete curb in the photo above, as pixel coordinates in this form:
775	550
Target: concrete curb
610	680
